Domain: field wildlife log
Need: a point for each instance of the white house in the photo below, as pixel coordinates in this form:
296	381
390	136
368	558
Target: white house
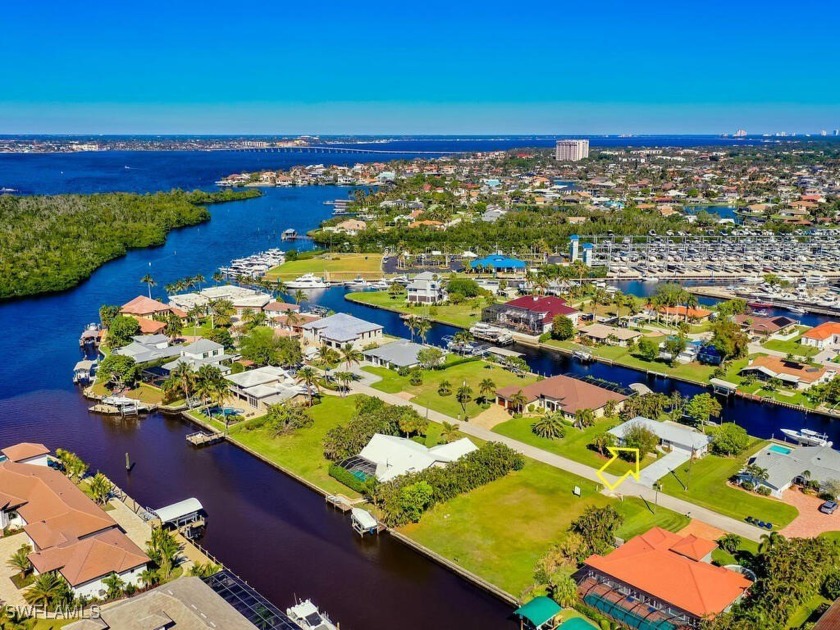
27	453
426	288
264	386
826	336
148	348
671	435
199	353
786	465
394	456
340	329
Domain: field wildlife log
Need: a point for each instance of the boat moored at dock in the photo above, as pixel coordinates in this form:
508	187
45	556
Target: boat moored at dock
306	615
807	437
307	281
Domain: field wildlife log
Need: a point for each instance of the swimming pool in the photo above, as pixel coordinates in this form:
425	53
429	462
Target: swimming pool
781	450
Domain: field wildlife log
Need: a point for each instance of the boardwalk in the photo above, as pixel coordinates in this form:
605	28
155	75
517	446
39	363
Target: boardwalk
628	488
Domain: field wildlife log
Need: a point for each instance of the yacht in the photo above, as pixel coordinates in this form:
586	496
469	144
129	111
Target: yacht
796	309
306	615
307	281
357	283
808	437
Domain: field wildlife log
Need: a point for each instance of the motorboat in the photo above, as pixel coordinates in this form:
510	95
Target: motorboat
808	437
307	281
357	283
490	333
796	309
306	615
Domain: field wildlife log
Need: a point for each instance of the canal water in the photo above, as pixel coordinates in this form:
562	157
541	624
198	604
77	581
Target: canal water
274	532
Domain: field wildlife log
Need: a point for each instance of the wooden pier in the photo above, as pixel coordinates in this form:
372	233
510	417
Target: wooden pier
201	438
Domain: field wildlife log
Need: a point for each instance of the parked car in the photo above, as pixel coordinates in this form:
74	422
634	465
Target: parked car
829	507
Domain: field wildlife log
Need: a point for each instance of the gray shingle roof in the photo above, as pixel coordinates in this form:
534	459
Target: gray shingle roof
398	353
341	327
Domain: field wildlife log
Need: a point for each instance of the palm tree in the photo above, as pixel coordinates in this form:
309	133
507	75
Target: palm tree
148	577
47	588
218	277
584	418
150	282
100	488
518	401
444	388
184	378
411	324
221	312
350	355
423	327
464	396
307	376
602	442
344	378
299	296
115	586
448	432
20	560
487	388
549	426
768	541
199	279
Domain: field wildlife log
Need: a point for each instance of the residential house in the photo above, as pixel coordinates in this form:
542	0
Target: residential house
529	314
265	386
27	453
187	603
786	465
426	288
764	326
350	226
340	329
395	355
149	348
611	335
141	306
679	313
199	353
562	393
794	374
67	531
672	436
661	579
826	336
387	456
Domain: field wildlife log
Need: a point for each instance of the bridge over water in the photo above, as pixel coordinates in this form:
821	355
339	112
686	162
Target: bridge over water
325	149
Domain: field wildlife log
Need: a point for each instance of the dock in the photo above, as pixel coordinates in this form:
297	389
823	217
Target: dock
203	438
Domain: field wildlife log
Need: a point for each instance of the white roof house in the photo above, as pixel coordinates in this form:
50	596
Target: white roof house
147	348
340	329
785	465
264	386
395	355
670	434
395	456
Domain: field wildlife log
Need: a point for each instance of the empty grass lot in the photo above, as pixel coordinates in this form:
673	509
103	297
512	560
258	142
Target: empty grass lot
462	315
427	395
333	266
500	530
707	486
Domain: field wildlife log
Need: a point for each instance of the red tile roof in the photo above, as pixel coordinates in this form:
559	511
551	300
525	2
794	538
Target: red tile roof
573	393
548	304
150	326
823	331
24	450
660	564
141	305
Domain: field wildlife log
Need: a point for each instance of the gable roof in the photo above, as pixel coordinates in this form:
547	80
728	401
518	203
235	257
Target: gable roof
572	393
656	563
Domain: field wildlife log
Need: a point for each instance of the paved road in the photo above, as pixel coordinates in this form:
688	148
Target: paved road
628	488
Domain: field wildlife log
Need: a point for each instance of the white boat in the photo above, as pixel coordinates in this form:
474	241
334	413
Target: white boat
307	281
808	437
796	309
358	283
289	234
308	617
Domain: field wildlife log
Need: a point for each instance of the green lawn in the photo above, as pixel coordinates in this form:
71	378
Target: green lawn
723	558
143	392
462	315
302	451
706	479
500	530
573	445
792	346
333	266
426	394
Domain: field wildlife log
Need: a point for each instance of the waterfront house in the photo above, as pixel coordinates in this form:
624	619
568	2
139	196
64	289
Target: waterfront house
498	263
242	298
826	336
672	436
562	393
389	456
141	306
265	386
395	355
426	288
611	335
794	374
764	326
27	453
680	313
529	315
787	465
67	531
660	579
340	329
201	352
187	603
149	348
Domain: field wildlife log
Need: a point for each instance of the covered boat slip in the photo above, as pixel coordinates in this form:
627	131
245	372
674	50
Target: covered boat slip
539	613
186	516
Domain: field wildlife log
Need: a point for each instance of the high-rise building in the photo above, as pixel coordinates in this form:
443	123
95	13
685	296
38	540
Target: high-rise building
572	150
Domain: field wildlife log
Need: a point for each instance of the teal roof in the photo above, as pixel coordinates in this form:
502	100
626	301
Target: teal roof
539	610
498	262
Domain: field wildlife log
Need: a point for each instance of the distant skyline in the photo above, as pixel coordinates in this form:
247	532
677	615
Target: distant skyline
608	67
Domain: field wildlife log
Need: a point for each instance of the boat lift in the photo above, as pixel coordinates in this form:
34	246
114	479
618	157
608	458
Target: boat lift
187	516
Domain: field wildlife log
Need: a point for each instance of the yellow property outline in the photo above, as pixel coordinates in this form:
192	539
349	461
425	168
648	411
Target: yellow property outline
614	451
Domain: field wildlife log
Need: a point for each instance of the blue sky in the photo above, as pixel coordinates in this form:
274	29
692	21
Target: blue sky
611	66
